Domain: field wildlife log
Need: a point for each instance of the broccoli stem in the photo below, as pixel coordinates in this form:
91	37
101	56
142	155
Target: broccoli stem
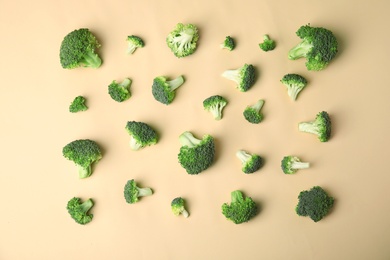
175	83
236	196
86	205
243	156
134	144
144	192
300	165
185	213
187	139
293	92
85	172
233	75
300	50
308	127
258	105
92	60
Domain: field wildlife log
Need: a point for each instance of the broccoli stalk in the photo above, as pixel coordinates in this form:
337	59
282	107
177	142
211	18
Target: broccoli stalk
240	209
132	192
253	113
268	44
250	162
78	210
177	206
183	39
134	42
78	104
244	77
320	126
315	203
215	105
163	90
120	91
294	83
291	164
228	43
141	135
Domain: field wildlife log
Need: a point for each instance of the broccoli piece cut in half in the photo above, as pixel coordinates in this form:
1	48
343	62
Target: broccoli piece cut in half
244	77
78	104
215	105
83	152
319	46
134	42
177	206
78	50
228	43
294	83
164	90
320	126
268	44
132	192
240	209
78	210
250	162
315	203
141	135
253	114
183	39
196	155
291	164
120	91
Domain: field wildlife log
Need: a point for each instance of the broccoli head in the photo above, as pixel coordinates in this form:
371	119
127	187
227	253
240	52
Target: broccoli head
182	40
134	42
83	152
250	162
253	113
228	43
215	105
120	91
294	83
141	135
291	164
320	126
78	210
240	209
177	206
244	77
268	44
78	104
163	90
132	192
78	50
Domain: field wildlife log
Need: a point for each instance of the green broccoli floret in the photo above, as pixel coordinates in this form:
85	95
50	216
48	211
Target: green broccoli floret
182	40
78	50
163	90
78	104
268	44
291	164
250	162
83	153
244	77
132	192
215	105
315	203
240	209
196	155
141	135
253	113
295	84
320	126
319	46
177	206
134	42
78	210
120	91
228	43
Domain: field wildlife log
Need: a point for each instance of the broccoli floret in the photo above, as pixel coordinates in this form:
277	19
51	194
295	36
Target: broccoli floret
196	155
253	113
268	44
244	77
240	209
134	42
78	210
78	50
228	43
141	135
250	162
132	192
295	84
182	40
177	206
319	46
320	126
120	91
164	90
315	203
215	105
291	164
83	152
78	104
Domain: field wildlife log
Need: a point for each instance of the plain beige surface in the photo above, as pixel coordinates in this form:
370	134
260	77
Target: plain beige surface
36	181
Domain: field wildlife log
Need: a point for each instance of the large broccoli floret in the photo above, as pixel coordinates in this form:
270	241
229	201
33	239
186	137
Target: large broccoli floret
78	50
315	203
163	90
240	209
291	164
320	126
177	206
83	153
268	44
120	91
134	42
132	192
141	135
244	77
228	43
250	162
294	83
253	113
215	105
196	155
319	46
78	104
182	40
78	210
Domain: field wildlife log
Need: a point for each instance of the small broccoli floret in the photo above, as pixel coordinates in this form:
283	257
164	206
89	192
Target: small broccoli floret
141	135
315	203
228	43
78	210
78	104
78	50
196	155
164	90
215	105
244	77
319	46
134	42
253	113
295	84
120	91
182	40
250	162
83	153
240	209
132	192
291	164
177	206
268	44
320	126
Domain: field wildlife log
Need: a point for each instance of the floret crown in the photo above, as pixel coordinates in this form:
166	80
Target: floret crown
83	152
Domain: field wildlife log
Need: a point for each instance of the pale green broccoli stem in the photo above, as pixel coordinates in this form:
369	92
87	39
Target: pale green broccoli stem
236	196
300	165
125	83
144	192
84	172
233	75
243	156
92	60
293	91
175	83
308	127
134	145
184	40
300	50
185	213
86	205
187	139
258	105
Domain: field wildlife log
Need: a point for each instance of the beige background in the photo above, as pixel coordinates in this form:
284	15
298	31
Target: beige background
36	181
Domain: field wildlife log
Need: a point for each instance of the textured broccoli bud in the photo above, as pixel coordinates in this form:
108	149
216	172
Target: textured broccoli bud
320	126
268	44
141	135
120	91
163	90
228	43
78	104
78	210
250	162
134	42
315	203
215	105
177	206
132	192
183	39
291	164
244	77
240	209
294	83
253	113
